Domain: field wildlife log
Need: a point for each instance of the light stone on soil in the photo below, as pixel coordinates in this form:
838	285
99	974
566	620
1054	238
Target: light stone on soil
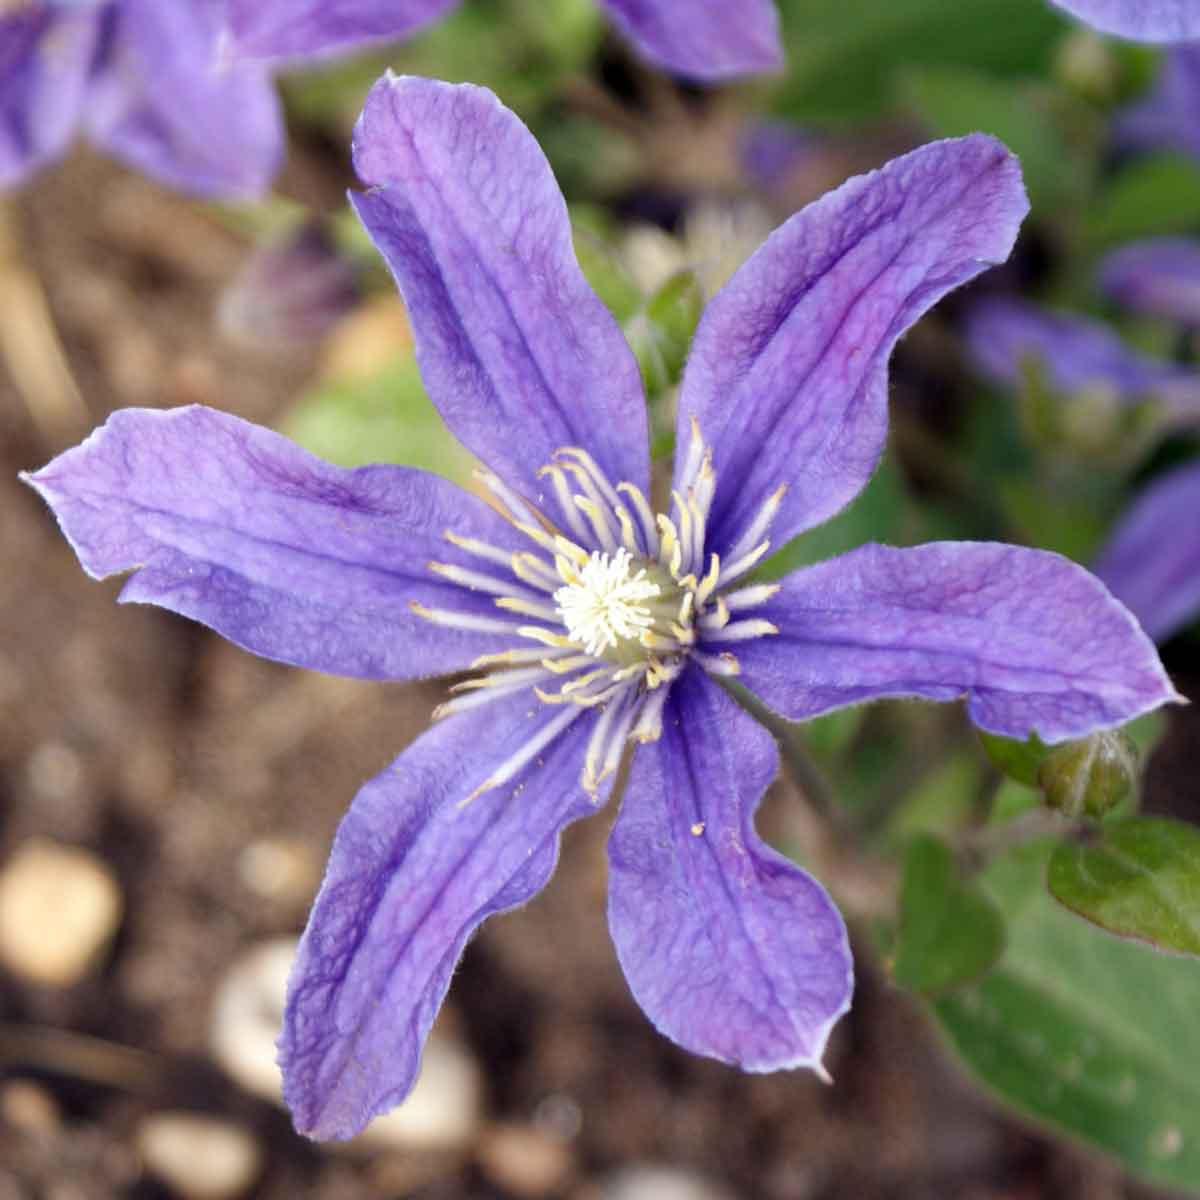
199	1158
59	909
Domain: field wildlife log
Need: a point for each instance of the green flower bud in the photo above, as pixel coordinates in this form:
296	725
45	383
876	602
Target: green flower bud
1089	777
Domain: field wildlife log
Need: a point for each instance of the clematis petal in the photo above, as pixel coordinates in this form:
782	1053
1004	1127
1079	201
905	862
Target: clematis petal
1140	20
1159	276
517	352
161	102
1033	641
1165	119
731	949
416	866
45	64
236	527
299	29
788	370
1152	560
706	39
1076	355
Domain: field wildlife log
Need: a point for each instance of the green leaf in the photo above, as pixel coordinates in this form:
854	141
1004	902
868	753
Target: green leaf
661	332
942	800
842	58
880	513
607	275
1155	195
1096	1036
1017	760
1055	136
950	933
386	417
1141	879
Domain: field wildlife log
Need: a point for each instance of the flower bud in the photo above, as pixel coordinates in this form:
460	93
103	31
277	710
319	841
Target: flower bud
1089	777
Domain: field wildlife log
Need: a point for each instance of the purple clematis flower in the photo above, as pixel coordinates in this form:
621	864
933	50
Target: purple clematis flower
1139	20
140	79
1158	276
1152	558
1165	119
588	621
702	39
1079	356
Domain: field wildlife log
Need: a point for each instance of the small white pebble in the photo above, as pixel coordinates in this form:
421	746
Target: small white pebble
247	1014
661	1183
29	1107
280	869
524	1161
59	909
443	1111
197	1157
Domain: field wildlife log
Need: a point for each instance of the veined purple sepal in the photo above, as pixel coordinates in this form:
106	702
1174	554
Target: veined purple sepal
426	852
234	526
732	950
1033	641
787	375
516	350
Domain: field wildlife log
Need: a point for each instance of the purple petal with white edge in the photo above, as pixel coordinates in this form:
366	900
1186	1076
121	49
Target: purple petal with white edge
704	39
162	102
732	950
1151	561
1159	276
1139	20
418	864
1034	642
1166	118
1076	354
788	370
517	352
302	29
299	561
45	65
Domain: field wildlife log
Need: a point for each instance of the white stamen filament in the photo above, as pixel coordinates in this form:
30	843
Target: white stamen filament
743	631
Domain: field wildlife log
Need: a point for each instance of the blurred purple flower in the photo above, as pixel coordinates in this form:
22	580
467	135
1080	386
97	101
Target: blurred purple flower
1166	117
1140	20
140	79
1152	559
772	151
1077	355
702	39
593	623
1159	276
290	291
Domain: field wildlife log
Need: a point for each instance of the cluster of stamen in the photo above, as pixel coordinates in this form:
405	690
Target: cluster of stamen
613	599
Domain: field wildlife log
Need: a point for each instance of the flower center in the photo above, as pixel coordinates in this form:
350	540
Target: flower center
610	600
604	606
